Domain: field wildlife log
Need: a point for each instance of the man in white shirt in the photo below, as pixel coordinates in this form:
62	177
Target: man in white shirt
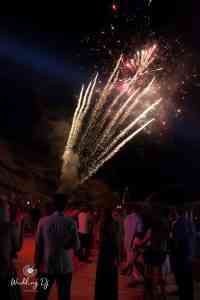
56	236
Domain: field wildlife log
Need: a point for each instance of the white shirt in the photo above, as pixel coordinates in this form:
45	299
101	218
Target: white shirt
54	235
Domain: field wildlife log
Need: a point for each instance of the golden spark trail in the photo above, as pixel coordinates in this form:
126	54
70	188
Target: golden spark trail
128	128
102	126
83	108
122	113
143	59
98	106
142	67
74	118
116	149
80	116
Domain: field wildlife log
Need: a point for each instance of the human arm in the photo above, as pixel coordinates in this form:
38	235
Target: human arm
73	242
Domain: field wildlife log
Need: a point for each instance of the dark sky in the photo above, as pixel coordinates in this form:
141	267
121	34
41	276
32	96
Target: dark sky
42	60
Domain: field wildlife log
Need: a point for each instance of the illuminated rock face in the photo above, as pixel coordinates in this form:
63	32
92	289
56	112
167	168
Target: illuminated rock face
70	172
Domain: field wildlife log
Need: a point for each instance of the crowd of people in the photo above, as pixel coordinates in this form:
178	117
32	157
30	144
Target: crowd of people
145	243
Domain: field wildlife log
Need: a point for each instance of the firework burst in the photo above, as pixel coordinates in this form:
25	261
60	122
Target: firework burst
103	123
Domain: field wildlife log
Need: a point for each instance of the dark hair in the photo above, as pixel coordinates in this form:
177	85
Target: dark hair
60	201
180	211
132	207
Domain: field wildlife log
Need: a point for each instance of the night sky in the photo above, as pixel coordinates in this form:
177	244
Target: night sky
45	58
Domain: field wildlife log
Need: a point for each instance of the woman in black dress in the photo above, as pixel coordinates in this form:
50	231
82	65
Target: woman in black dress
106	286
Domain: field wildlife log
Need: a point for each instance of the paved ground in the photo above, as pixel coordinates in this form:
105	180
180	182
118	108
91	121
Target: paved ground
83	279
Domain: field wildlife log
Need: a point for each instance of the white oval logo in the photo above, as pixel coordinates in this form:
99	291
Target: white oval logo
29	271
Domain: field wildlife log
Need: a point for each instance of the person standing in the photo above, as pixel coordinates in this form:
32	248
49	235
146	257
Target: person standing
116	214
132	226
17	220
181	257
106	285
10	244
155	253
56	236
84	228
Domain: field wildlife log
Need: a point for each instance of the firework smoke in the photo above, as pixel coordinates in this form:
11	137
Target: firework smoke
103	123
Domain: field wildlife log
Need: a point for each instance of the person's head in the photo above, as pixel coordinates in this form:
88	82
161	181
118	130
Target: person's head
166	212
129	209
107	215
136	208
48	208
180	211
116	215
85	209
172	214
60	201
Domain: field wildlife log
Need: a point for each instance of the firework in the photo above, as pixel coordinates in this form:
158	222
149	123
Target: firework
103	123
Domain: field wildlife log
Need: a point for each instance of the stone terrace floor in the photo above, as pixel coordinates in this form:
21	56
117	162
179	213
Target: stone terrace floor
83	279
